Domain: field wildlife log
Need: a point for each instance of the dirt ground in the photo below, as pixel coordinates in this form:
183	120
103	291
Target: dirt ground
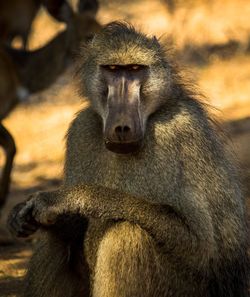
40	125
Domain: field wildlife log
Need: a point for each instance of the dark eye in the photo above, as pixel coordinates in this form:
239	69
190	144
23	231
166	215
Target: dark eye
112	67
129	67
135	67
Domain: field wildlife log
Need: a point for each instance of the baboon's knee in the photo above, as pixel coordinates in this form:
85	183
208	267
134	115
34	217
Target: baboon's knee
50	272
127	263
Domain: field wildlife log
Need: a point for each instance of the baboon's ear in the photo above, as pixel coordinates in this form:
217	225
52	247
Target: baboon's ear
59	9
90	6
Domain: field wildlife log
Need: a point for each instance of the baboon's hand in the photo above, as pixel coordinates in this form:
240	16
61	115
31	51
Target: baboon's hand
28	216
20	220
44	208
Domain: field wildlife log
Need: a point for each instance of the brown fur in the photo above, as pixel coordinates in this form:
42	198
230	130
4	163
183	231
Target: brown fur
167	221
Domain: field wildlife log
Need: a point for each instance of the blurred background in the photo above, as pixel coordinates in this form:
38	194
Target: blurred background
211	41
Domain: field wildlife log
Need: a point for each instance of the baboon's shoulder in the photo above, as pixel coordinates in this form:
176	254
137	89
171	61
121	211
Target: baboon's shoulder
85	123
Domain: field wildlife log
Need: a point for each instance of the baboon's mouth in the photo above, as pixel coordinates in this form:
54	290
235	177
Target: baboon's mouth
123	147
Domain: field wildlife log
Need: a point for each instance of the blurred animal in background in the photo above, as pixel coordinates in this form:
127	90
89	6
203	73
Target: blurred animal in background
16	17
24	72
151	204
59	9
11	92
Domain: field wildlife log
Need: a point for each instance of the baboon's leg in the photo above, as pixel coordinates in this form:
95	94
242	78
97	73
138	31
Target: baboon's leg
8	144
53	271
128	264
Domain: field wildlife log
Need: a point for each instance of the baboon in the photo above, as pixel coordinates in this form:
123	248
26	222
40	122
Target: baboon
16	17
25	72
59	9
151	204
81	26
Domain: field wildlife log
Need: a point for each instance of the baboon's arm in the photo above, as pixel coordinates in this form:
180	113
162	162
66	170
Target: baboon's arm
170	229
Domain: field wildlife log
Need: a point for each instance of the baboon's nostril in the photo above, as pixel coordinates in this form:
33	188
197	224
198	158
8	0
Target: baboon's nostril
121	132
118	129
126	129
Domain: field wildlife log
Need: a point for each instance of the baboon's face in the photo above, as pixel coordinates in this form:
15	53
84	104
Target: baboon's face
122	115
126	78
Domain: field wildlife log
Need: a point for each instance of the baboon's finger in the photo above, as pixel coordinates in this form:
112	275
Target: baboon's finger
21	222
